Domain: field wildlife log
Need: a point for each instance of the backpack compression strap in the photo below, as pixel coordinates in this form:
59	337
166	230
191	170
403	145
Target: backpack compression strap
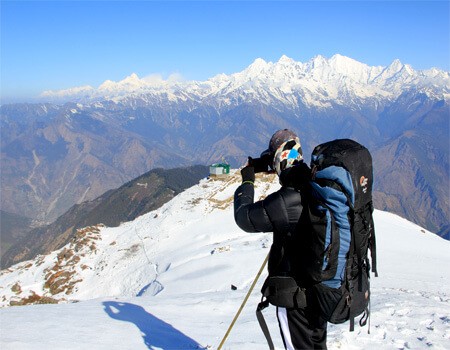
369	224
372	243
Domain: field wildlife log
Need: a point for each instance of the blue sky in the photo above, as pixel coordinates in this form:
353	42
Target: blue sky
60	44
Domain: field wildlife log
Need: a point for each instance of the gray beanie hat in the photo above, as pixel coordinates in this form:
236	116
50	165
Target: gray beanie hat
280	137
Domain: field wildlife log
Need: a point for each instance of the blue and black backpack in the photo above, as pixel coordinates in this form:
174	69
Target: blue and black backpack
341	229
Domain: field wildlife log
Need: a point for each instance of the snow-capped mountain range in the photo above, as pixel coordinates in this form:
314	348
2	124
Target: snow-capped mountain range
319	82
165	281
55	155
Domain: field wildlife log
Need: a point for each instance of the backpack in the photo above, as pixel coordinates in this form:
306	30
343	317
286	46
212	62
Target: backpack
337	231
341	230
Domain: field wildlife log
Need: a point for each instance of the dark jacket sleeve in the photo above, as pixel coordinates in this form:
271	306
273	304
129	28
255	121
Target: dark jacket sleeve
249	216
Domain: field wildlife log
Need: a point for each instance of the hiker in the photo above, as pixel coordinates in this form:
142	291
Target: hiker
302	326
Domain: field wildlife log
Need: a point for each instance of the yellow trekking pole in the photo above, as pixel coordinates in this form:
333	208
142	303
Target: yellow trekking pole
244	302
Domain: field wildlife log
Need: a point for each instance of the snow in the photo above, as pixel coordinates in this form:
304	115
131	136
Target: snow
163	281
70	91
339	79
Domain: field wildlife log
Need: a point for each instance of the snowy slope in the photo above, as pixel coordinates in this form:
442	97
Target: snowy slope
164	281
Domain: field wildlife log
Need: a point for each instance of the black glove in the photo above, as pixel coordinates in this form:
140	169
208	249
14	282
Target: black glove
248	174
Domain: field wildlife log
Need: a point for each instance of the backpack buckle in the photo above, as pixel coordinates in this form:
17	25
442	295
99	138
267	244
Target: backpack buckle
348	300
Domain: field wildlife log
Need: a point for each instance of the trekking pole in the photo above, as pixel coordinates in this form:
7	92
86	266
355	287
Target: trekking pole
243	303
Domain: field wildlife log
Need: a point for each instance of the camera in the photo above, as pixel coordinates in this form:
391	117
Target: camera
262	164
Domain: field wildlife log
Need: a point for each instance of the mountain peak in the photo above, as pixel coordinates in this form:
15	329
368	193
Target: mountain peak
132	77
396	65
258	65
318	60
339	59
128	84
286	60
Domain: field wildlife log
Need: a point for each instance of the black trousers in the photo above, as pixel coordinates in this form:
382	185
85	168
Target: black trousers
302	329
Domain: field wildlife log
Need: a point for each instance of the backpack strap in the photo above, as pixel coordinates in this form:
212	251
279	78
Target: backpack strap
278	215
372	243
262	322
281	229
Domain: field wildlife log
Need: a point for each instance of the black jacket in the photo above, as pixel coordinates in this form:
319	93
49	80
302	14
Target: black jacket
280	213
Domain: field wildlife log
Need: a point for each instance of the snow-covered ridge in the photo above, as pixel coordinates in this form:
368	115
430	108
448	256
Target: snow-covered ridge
164	281
317	82
128	260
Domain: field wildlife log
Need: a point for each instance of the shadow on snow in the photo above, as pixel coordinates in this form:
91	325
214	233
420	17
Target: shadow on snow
155	332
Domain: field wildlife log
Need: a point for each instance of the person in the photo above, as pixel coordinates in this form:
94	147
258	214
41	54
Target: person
281	213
